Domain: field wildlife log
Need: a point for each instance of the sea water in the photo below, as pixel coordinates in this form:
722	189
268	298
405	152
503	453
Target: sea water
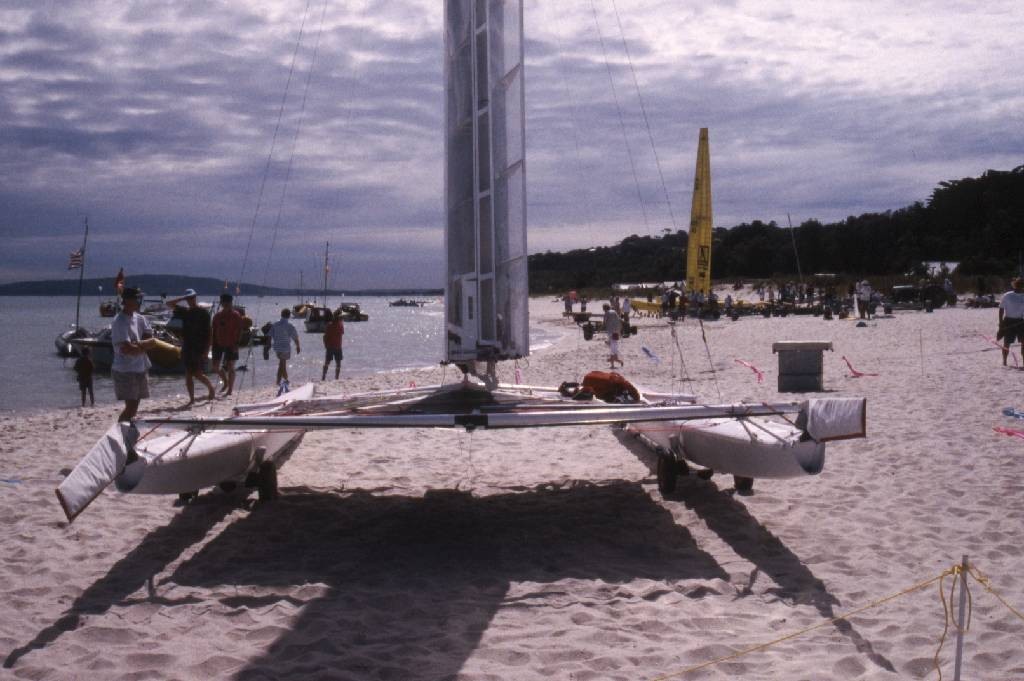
33	377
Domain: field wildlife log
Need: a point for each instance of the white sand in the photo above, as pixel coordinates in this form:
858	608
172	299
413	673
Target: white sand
434	554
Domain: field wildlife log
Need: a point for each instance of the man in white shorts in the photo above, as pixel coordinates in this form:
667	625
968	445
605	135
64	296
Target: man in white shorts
1011	317
129	334
282	333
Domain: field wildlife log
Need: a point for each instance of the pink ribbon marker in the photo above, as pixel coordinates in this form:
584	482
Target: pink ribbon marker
996	343
853	372
519	376
412	384
760	374
1009	431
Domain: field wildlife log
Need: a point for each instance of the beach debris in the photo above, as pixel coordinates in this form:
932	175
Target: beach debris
650	354
853	372
1012	432
757	372
1013	413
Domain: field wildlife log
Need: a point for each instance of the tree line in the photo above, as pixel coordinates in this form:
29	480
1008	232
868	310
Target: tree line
977	222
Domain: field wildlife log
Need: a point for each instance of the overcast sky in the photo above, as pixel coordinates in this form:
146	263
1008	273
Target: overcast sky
156	119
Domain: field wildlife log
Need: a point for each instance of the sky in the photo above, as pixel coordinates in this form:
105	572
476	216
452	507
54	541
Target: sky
235	139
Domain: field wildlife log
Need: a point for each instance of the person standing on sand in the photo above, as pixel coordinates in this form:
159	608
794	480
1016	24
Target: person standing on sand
332	345
612	327
128	334
226	330
282	333
195	344
84	368
1011	317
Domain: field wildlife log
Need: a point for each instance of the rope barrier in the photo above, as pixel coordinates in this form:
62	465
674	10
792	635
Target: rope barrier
962	626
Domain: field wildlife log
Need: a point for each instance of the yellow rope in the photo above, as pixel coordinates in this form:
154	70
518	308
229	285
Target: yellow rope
839	618
956	571
974	572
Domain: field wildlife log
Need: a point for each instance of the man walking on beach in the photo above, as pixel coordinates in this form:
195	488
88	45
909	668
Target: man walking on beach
195	344
612	327
128	334
1011	317
332	345
282	333
227	330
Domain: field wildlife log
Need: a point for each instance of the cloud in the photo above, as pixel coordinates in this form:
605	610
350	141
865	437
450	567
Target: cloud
178	127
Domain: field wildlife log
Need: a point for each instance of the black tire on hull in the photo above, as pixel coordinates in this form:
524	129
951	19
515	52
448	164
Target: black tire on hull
667	474
267	484
743	485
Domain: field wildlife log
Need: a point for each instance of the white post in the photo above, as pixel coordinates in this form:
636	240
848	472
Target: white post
961	621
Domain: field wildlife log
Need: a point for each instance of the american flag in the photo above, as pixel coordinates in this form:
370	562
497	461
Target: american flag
76	259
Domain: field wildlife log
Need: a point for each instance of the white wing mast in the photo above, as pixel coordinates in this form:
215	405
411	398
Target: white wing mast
486	293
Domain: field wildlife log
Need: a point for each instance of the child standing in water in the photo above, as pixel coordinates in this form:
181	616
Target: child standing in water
83	368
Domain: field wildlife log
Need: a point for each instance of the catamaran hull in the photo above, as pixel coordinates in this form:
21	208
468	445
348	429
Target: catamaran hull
748	448
168	464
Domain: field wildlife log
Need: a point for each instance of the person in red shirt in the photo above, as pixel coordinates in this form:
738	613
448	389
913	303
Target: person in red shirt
332	344
227	329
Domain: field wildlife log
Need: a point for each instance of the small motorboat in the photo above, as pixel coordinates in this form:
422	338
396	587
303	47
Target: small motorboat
108	308
65	348
350	312
318	319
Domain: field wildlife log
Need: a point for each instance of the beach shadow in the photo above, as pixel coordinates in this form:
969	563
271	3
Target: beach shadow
407	586
157	550
731	521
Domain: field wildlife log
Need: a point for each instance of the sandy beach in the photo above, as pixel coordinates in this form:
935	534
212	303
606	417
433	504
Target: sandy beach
549	554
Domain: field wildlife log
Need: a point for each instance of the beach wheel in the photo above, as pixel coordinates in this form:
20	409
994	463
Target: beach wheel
186	497
667	474
267	484
743	485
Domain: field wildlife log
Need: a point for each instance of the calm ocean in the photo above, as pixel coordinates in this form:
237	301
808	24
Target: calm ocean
35	378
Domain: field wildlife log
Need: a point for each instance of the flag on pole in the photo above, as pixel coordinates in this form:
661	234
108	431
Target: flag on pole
119	281
76	259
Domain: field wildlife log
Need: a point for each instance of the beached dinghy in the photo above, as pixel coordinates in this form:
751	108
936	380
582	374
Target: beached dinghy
173	459
755	446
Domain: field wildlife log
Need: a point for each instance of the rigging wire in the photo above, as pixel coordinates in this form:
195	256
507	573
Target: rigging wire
622	122
273	145
574	119
647	123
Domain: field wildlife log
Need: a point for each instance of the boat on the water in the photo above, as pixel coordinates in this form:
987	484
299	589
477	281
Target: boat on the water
351	312
318	319
65	348
403	302
108	308
174	460
164	351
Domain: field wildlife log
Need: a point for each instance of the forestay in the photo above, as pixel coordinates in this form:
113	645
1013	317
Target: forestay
485	193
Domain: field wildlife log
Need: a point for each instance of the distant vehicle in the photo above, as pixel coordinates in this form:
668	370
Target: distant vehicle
915	297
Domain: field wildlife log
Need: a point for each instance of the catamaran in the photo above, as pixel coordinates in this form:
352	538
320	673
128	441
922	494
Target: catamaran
486	321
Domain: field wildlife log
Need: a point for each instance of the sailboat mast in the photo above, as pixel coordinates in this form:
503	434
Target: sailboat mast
698	249
81	275
327	268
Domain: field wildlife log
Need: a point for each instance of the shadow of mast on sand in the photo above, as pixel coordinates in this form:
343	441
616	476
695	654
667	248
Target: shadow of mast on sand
158	550
413	583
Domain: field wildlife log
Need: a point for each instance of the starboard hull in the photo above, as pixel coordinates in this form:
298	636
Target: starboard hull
749	448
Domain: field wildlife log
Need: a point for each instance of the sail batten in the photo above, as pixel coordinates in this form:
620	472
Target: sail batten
486	313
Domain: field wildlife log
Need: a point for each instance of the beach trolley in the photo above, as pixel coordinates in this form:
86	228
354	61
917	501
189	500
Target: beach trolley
800	365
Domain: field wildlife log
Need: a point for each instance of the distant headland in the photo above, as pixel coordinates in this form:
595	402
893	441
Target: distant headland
175	284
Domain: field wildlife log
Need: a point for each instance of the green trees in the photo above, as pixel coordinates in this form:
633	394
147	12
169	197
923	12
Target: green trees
978	222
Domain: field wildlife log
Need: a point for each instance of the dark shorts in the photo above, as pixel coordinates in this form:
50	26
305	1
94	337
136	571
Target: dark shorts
194	360
332	355
1012	330
130	385
227	354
